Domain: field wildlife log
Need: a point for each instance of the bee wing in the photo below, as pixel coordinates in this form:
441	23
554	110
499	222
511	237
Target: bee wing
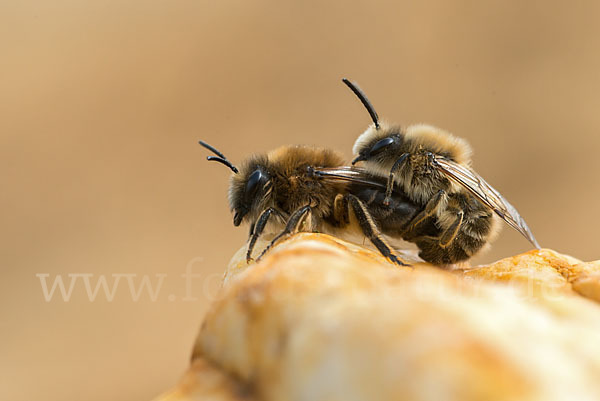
351	174
475	184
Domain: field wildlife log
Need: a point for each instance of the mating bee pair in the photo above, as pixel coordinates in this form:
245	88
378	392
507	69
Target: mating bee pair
413	183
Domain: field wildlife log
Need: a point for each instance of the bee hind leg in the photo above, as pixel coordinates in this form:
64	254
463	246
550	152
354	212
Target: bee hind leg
430	210
292	226
451	232
371	231
449	247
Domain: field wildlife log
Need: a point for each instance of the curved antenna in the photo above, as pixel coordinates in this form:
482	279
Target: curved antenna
364	100
212	149
222	161
219	158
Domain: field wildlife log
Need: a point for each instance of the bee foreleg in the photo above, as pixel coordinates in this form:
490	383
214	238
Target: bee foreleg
390	182
257	229
370	230
429	210
450	234
292	226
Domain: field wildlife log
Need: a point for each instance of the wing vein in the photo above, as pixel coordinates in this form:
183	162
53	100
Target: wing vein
487	194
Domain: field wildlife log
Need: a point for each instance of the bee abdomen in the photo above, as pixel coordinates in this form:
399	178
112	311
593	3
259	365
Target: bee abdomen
460	249
473	234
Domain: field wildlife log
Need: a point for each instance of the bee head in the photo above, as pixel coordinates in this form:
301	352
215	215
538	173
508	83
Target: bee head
378	140
377	145
248	189
246	186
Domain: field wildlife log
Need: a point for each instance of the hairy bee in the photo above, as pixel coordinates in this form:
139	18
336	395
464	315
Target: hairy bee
284	187
431	167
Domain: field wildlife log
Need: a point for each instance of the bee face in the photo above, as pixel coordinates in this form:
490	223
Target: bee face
280	179
378	145
248	189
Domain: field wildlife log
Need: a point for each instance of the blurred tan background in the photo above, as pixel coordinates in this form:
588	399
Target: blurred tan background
102	104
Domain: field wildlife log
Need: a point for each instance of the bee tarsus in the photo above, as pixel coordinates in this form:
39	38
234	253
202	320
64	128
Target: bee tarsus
257	230
292	227
369	228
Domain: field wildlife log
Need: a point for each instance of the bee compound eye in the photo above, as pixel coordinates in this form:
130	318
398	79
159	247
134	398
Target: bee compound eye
252	184
381	145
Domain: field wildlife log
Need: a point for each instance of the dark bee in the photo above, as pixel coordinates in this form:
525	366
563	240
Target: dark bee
285	189
431	167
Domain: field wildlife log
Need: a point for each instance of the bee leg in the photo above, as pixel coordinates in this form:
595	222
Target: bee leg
257	229
340	210
429	211
447	248
450	234
292	226
371	231
390	182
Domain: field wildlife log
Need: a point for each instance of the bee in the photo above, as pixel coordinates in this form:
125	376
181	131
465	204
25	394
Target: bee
285	188
459	210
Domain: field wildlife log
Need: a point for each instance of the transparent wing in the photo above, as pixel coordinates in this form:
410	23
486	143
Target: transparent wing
475	184
351	174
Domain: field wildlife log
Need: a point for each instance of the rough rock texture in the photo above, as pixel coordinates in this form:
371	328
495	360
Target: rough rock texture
323	319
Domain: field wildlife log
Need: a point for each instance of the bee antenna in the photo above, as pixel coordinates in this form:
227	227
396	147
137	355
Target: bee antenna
364	100
223	161
212	149
219	158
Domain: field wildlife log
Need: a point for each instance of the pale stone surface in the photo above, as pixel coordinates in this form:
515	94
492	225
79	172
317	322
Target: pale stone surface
323	319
